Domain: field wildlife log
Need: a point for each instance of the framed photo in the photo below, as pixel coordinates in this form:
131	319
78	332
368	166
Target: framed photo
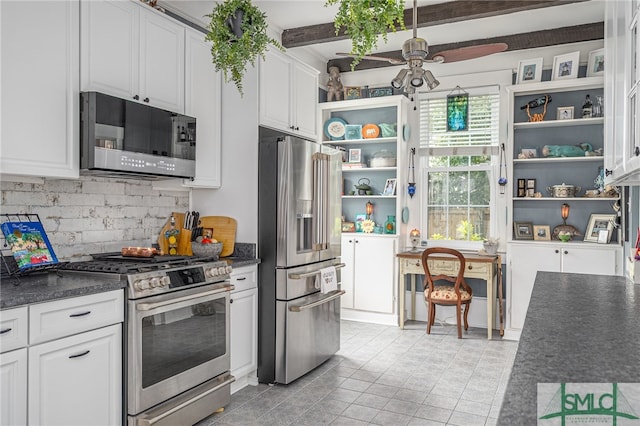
531	192
528	153
529	71
565	113
523	230
352	92
390	187
355	155
595	65
597	223
541	233
565	66
360	218
348	227
531	184
353	131
522	189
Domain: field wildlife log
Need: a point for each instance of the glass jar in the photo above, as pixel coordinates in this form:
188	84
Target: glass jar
390	225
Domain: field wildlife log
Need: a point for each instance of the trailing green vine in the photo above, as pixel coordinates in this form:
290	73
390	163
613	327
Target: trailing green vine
365	20
231	50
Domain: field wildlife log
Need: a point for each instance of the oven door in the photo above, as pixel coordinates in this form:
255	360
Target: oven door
176	341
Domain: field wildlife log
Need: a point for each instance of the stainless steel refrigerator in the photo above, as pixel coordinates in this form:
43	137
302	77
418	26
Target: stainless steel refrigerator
299	226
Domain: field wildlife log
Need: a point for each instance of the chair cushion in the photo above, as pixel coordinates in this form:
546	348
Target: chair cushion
447	294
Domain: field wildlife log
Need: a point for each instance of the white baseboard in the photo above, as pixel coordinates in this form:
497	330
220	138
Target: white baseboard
244	381
371	317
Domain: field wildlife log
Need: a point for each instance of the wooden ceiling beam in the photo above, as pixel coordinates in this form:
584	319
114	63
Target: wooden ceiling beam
531	40
437	14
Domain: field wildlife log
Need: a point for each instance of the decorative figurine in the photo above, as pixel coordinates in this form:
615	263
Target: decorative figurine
334	85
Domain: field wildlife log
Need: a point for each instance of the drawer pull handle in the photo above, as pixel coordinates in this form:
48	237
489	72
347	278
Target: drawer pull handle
241	278
417	263
5	330
81	314
470	267
80	354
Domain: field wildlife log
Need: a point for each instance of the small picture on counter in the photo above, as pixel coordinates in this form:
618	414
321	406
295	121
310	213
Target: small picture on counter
360	218
595	65
565	113
390	187
523	230
541	233
348	227
597	223
352	92
526	153
355	155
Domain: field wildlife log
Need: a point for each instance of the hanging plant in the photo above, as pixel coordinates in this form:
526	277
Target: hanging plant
238	32
365	20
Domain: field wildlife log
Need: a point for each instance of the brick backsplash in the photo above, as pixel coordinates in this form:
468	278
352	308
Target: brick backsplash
94	215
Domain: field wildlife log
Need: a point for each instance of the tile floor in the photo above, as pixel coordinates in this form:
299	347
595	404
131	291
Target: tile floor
386	376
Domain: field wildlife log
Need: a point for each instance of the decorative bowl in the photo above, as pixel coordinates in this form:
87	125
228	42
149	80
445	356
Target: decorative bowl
564	237
206	250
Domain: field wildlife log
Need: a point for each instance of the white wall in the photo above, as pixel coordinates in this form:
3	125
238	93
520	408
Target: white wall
238	195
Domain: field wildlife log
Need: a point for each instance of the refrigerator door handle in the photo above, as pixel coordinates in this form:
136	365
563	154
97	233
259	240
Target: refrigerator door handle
330	296
321	204
312	273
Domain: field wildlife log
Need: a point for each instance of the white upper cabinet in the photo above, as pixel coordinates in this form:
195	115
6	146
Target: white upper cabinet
622	134
39	86
131	51
288	95
203	88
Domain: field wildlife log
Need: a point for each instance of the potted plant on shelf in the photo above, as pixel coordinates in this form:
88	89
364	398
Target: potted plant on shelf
238	33
364	21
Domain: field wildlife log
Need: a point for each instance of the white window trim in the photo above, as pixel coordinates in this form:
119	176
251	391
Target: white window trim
498	221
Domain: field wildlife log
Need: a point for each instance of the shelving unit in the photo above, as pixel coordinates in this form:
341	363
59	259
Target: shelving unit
575	256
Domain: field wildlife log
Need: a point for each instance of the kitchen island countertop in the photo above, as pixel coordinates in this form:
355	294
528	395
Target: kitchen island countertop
578	329
43	287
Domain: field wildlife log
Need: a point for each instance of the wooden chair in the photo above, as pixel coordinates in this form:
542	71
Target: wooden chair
458	293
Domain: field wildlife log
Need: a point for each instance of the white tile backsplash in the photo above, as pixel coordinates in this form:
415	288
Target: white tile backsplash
93	215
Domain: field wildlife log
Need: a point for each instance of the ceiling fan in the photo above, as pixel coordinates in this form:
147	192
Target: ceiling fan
415	52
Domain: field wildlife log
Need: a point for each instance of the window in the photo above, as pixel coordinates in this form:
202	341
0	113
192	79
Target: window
457	167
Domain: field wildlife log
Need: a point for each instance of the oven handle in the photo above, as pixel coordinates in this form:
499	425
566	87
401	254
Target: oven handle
150	306
332	295
312	273
148	422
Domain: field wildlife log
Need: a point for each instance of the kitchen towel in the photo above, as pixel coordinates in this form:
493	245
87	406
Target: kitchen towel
328	279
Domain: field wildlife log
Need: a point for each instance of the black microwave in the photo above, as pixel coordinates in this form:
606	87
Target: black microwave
120	137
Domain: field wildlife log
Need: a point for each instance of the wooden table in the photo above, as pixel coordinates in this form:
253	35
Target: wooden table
484	267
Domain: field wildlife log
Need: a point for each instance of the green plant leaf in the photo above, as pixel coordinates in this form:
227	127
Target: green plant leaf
231	54
366	20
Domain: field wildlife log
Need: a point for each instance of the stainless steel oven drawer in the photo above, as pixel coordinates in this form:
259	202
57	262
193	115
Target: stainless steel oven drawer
190	407
311	326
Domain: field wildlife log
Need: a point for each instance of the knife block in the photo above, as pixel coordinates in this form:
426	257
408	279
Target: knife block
184	242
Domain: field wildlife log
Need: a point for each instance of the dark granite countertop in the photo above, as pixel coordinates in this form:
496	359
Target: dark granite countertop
578	329
42	287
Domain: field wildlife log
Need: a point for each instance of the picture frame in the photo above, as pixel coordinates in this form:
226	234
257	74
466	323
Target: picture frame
597	223
529	71
542	232
528	153
595	66
352	92
377	92
566	66
523	230
522	189
353	131
531	184
458	112
390	187
355	155
348	227
565	113
360	218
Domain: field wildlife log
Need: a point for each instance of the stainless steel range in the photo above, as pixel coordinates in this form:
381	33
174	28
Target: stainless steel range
177	335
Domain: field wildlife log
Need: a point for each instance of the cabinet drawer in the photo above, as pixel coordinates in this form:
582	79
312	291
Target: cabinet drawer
13	328
477	270
59	318
244	278
412	266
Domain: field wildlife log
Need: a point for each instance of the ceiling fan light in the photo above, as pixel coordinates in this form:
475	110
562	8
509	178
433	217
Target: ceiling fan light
398	81
431	80
417	77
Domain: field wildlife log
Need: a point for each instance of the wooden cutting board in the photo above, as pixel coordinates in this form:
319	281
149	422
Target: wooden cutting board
224	230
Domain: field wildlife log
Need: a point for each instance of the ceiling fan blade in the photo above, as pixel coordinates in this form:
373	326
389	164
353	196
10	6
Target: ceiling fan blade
470	52
377	58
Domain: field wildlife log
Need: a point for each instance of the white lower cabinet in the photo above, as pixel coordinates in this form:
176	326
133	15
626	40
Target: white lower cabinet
69	371
526	259
369	278
244	327
13	387
77	380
